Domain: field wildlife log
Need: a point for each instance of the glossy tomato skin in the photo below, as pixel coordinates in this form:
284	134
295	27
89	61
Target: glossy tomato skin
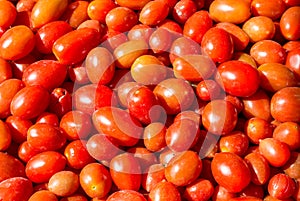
95	180
44	12
46	73
289	23
183	9
200	189
126	194
63	183
121	19
164	191
26	152
68	49
76	13
8	90
218	44
154	136
257	128
273	9
16	188
9	13
49	33
118	124
293	61
230	171
281	186
238	78
152	176
43	194
184	168
235	142
97	10
16	42
60	101
125	172
42	166
10	167
285	104
29	102
18	128
154	12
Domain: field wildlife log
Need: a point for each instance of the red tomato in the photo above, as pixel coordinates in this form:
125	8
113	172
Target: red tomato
183	9
43	194
42	166
16	42
240	81
63	183
152	176
281	186
95	180
10	167
15	188
6	70
293	62
230	171
121	19
97	10
48	118
164	191
289	23
105	97
125	172
126	194
26	152
29	102
9	13
73	47
18	128
200	190
49	33
153	13
154	136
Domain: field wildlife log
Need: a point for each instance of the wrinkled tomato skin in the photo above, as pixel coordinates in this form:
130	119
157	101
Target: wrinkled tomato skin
218	44
60	102
125	172
49	33
69	50
118	124
16	188
8	90
42	166
239	174
10	167
281	186
46	73
238	78
29	102
290	23
16	42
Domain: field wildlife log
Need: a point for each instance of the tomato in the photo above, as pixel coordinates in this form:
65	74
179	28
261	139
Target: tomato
256	129
253	191
60	101
288	132
125	172
68	49
63	183
152	176
133	4
285	104
219	117
123	90
259	168
42	166
140	32
154	136
183	9
276	152
164	191
10	167
18	128
6	70
230	171
293	62
145	157
9	12
200	190
121	19
184	168
95	180
126	194
26	152
289	23
208	90
218	44
16	42
49	33
118	124
291	168
242	81
230	11
221	194
236	142
169	94
273	9
29	102
43	194
281	186
77	155
76	13
100	67
16	188
36	73
153	13
112	39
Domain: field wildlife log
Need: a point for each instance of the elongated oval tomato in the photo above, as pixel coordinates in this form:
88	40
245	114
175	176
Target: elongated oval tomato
73	47
10	167
16	188
46	73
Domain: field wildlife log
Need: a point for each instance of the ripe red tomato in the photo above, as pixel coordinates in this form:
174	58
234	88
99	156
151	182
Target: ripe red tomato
121	19
153	13
128	194
63	183
16	188
164	191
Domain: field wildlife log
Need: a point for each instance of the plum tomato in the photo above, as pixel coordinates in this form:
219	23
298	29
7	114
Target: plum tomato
10	167
16	188
154	174
83	98
238	78
26	152
293	61
43	194
184	168
145	157
46	73
6	70
289	23
219	117
235	142
256	129
30	102
230	171
125	171
201	190
164	191
276	152
95	180
9	13
281	186
5	136
97	10
18	128
74	46
285	104
60	101
42	166
48	118
44	12
289	133
218	44
154	136
118	124
291	168
182	10
153	13
126	194
169	93
121	19
221	194
16	42
160	40
105	96
63	183
76	13
208	90
273	9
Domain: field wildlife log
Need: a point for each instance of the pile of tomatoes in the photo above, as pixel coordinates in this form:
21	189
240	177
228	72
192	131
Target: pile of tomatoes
158	100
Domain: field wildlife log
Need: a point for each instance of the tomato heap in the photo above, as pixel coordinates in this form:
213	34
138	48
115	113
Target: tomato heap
158	100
